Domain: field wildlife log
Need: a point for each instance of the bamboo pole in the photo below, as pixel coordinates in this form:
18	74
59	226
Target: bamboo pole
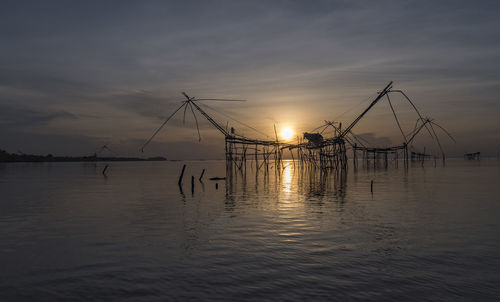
182	175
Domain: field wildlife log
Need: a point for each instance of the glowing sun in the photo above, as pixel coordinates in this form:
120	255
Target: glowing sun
287	133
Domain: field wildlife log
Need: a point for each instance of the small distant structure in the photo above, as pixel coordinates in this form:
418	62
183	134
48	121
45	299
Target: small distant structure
472	156
100	150
417	156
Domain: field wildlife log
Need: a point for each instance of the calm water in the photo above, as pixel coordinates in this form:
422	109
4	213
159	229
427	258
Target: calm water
68	233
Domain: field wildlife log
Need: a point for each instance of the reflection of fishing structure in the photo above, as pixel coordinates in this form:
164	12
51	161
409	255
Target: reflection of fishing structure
313	150
305	185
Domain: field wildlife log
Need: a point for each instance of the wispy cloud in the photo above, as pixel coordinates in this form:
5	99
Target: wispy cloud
14	117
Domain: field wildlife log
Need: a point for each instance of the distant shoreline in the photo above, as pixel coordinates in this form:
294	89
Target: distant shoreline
6	157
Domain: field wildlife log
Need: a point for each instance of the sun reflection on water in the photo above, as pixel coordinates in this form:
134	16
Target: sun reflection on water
287	179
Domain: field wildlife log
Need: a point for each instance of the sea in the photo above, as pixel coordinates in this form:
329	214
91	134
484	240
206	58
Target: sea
289	232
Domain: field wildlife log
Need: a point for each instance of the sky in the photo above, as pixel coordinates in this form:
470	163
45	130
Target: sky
75	75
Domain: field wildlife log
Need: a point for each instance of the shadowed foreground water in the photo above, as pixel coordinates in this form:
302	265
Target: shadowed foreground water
69	233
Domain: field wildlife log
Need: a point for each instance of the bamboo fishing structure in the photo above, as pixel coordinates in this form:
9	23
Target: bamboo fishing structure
314	150
472	156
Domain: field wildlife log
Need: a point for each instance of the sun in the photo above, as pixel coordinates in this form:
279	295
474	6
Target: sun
287	133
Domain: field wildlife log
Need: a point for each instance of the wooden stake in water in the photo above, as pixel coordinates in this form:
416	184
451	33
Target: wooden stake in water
192	184
202	173
371	186
104	170
182	175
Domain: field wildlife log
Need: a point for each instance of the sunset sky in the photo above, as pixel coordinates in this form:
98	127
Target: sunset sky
75	75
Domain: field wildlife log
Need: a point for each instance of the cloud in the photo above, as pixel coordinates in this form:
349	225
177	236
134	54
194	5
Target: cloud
372	140
15	117
295	62
56	144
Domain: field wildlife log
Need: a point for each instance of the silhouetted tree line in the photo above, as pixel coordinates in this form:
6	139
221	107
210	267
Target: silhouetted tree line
13	157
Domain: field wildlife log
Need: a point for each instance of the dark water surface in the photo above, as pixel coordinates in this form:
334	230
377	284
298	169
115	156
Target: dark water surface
68	233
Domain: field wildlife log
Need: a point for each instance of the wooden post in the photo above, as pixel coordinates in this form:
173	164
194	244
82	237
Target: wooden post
202	173
396	157
354	155
104	170
182	175
256	157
